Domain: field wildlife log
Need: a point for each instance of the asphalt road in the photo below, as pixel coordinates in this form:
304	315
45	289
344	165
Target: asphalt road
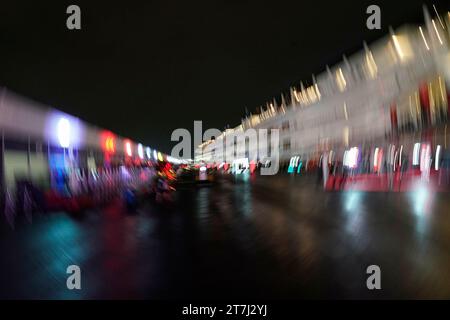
264	237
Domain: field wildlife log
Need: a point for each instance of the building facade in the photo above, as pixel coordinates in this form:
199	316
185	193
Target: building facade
397	84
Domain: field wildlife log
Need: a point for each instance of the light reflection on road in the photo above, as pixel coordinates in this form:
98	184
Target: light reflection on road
261	238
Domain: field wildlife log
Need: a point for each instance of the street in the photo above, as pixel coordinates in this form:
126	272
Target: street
255	237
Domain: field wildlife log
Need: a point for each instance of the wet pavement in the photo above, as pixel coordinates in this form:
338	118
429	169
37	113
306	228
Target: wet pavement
268	237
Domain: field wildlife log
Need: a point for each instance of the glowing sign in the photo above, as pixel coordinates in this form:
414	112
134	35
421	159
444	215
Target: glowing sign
63	131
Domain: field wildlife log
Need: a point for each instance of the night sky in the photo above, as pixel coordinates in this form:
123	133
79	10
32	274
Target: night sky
143	69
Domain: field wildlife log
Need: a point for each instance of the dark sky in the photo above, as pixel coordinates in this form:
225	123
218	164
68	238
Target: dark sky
143	69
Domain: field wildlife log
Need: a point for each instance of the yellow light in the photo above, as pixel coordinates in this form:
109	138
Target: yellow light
372	66
346	135
160	156
398	47
341	80
442	89
317	91
296	95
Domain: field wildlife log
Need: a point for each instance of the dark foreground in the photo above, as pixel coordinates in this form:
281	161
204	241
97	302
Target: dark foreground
272	237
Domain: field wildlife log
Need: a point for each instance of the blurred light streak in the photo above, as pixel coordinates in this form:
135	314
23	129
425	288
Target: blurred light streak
352	157
439	18
437	158
423	37
340	79
437	32
375	158
128	148
400	155
397	46
140	151
352	200
371	65
416	153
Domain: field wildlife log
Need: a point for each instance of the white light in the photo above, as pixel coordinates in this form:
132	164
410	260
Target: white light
375	158
353	157
291	162
341	80
437	159
173	160
397	46
423	37
437	32
416	154
395	160
400	156
425	158
439	18
155	154
345	160
140	151
63	130
392	154
128	149
148	152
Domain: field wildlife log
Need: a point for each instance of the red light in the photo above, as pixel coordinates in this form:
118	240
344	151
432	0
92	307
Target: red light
108	142
252	166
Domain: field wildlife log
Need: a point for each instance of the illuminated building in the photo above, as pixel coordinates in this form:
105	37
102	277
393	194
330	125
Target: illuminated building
397	84
37	141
